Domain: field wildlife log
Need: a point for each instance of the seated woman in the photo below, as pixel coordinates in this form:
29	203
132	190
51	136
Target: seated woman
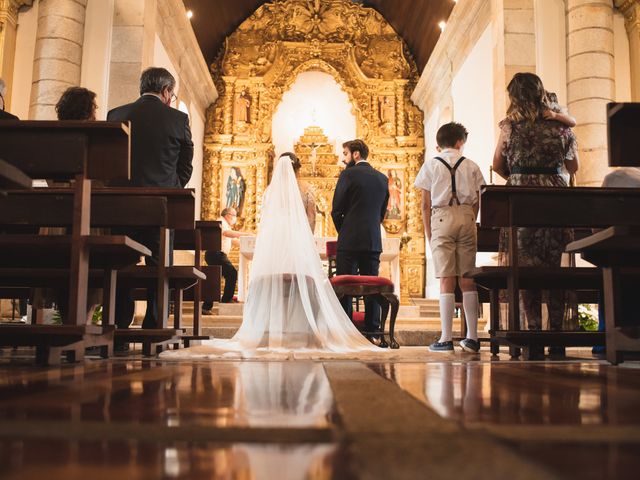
532	151
77	103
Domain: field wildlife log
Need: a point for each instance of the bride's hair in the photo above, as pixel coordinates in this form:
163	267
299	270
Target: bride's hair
295	161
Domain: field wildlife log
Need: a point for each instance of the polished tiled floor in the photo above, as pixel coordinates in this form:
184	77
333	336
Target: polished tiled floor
137	418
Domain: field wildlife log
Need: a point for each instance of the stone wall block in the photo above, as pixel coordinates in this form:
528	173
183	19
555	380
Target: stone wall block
125	44
572	4
519	49
518	4
591	136
594	165
74	9
590	88
61	49
124	78
54	27
590	16
128	12
48	92
53	69
519	21
590	65
589	111
590	39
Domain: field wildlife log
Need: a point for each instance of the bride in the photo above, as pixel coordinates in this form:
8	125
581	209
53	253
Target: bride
291	309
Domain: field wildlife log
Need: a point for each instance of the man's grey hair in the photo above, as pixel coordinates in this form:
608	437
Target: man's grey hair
155	80
3	87
227	211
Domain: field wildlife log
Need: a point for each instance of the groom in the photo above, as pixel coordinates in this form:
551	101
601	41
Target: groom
359	205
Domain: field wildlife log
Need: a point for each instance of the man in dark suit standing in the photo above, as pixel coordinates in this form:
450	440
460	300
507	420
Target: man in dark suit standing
4	115
359	205
161	155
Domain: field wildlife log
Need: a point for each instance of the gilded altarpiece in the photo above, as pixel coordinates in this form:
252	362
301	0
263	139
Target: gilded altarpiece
371	63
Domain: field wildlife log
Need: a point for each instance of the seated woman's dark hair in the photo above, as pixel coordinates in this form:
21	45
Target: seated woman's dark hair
295	161
76	103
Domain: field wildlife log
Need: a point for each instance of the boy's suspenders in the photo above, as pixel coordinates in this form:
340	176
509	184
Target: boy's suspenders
452	171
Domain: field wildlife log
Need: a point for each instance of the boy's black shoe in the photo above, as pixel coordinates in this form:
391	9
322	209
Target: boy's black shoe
470	345
446	347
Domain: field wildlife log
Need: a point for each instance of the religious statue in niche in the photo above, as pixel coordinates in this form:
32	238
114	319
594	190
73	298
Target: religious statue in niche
234	187
387	114
394	207
242	108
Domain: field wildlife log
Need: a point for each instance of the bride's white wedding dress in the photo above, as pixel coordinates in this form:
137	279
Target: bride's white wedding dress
291	309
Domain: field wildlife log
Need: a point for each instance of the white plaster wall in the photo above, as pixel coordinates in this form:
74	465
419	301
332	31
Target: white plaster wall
96	52
432	287
314	99
471	90
161	59
551	46
23	68
622	62
197	133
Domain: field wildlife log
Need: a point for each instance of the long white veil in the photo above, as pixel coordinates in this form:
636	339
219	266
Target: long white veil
291	307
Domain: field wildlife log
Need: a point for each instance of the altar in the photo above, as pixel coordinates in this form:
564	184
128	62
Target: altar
390	253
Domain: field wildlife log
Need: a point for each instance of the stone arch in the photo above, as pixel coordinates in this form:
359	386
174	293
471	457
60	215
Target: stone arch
370	62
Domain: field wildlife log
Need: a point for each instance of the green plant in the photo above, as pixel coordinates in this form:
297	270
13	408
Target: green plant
96	319
587	317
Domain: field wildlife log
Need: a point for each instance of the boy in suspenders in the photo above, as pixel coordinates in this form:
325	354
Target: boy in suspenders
450	185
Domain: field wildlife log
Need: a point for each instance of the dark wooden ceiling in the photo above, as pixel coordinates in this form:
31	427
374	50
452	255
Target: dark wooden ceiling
415	20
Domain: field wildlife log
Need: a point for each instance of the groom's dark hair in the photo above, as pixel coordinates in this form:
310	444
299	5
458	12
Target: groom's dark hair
357	145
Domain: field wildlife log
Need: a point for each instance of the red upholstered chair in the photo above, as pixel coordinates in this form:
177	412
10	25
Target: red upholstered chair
381	289
331	247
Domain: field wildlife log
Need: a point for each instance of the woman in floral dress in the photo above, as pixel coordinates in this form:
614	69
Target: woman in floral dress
532	151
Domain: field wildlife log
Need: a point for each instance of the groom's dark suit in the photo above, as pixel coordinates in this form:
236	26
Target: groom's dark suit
359	205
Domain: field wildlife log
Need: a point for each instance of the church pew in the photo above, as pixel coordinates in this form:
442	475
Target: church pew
181	216
34	261
206	236
617	251
513	207
180	212
78	151
12	177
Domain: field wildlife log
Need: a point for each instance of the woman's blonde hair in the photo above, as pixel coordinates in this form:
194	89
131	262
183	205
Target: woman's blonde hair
528	98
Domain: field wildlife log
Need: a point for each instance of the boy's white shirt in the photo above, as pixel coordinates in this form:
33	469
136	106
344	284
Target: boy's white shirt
436	178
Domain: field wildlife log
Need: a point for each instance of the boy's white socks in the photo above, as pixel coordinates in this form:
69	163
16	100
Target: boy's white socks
447	303
470	305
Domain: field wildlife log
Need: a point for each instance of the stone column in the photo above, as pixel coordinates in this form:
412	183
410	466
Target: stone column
590	82
8	29
58	54
514	42
631	11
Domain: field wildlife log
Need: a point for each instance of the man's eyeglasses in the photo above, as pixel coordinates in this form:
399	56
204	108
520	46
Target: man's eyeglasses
174	97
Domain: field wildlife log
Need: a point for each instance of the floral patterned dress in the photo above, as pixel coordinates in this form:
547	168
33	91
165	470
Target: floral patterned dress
546	145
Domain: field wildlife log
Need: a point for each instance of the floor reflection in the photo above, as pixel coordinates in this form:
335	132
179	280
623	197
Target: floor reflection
527	394
254	394
23	459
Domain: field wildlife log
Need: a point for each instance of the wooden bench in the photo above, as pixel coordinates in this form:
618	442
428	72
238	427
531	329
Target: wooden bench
78	151
164	277
617	251
12	177
206	236
513	207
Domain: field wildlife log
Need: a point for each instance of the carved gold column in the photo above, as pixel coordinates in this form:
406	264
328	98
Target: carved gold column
400	113
228	105
631	11
8	30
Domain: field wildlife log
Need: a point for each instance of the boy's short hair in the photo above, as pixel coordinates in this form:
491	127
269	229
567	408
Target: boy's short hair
450	133
357	146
